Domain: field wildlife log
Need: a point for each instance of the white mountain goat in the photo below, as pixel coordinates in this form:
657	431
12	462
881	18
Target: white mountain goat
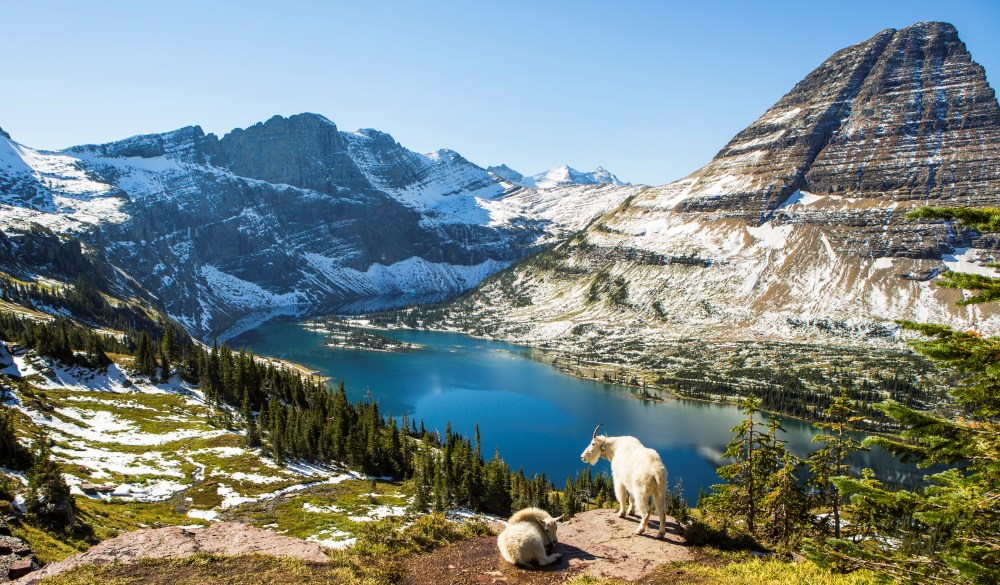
635	470
528	534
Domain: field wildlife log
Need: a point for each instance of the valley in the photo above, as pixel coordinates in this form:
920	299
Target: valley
433	341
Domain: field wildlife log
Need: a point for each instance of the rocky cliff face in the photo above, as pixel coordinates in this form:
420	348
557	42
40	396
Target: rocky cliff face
796	230
285	214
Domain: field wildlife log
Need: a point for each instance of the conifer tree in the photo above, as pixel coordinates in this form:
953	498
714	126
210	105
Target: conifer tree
95	354
497	488
13	455
420	485
955	521
784	501
145	357
250	424
833	457
747	474
48	495
440	489
568	501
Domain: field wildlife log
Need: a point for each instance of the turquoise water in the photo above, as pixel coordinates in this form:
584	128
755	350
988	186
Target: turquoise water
539	418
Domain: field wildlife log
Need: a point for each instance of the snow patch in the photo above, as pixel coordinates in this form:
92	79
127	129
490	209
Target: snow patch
770	236
967	260
209	515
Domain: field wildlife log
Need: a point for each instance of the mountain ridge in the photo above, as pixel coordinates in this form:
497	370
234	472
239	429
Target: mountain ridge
557	177
286	214
795	231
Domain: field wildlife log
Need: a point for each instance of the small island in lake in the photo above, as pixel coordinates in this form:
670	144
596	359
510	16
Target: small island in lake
341	334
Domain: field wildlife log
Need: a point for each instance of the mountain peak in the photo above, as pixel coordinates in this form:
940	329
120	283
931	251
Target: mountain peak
557	177
182	144
506	173
903	114
567	175
4	134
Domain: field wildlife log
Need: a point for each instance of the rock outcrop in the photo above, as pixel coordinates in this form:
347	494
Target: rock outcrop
225	538
595	543
16	557
795	231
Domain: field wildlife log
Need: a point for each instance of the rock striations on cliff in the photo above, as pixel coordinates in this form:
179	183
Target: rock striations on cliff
286	214
796	229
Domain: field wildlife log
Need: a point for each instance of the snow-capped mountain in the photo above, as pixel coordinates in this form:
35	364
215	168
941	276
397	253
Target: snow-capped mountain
284	214
557	177
796	230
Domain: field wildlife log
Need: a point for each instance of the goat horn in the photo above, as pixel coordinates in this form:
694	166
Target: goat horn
597	429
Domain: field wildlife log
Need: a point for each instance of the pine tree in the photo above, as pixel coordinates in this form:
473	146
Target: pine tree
250	424
48	495
95	354
784	501
833	457
440	489
168	345
747	475
568	503
145	357
954	523
13	455
420	486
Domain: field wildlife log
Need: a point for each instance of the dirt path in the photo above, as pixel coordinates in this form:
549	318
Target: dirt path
596	543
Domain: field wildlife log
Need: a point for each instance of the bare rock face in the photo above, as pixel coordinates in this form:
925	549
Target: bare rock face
600	544
796	231
904	117
284	215
225	538
16	557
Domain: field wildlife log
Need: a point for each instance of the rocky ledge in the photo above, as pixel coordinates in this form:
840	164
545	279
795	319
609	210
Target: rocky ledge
595	543
225	538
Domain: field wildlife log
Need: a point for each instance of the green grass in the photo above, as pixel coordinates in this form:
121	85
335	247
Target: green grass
183	456
288	514
752	571
742	570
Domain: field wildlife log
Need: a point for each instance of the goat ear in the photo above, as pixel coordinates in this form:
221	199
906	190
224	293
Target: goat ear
557	519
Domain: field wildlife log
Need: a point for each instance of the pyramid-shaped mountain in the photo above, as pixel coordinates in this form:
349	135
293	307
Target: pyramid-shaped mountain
796	230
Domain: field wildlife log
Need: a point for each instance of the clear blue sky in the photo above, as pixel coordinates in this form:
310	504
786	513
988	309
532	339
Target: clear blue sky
651	90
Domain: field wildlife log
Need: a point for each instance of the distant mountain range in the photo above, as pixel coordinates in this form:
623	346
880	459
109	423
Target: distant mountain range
794	231
288	214
557	177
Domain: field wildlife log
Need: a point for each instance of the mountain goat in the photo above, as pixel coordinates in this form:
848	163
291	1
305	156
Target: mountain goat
635	470
529	533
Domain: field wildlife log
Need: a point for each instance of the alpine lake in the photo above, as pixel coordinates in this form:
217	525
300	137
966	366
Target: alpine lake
538	418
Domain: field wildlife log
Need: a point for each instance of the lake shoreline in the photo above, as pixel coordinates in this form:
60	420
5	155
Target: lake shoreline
622	381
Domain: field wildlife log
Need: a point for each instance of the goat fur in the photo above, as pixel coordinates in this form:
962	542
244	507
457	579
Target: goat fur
528	533
635	470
